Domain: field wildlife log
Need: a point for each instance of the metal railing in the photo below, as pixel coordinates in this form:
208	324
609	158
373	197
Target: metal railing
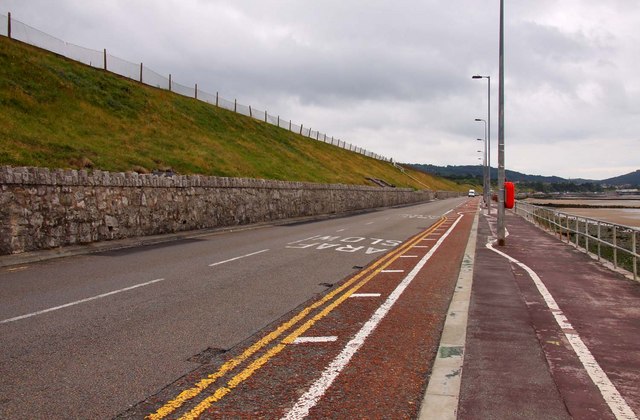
14	29
609	241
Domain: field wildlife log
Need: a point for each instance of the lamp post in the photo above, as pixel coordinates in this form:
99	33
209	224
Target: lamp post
501	229
484	163
485	187
488	136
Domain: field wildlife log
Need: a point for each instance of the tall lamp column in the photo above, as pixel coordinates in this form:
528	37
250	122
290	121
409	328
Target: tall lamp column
488	136
485	187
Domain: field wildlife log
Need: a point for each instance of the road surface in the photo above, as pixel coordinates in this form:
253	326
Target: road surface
125	333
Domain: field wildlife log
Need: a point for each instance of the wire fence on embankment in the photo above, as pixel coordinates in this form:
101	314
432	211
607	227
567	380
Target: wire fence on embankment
20	31
615	243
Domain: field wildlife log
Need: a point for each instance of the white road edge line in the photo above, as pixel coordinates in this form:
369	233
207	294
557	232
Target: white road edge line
304	340
237	258
609	392
310	398
77	302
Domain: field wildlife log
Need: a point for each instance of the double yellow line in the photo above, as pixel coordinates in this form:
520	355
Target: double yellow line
366	275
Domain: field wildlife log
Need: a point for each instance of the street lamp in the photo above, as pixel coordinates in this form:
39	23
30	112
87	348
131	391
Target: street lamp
488	136
484	170
501	227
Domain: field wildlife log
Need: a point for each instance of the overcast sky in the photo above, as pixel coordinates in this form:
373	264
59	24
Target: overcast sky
394	77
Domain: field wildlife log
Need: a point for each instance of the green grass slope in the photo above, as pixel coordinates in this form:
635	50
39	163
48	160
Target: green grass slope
57	113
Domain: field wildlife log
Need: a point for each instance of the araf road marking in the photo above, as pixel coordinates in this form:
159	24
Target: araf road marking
609	392
237	258
77	302
307	401
364	295
303	340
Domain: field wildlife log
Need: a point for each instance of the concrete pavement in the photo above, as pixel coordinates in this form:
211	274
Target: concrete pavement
551	334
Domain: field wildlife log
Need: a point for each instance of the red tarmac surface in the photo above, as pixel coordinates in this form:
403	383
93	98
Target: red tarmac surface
518	361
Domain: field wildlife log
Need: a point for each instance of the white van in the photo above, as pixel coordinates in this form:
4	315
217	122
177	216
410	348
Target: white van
472	193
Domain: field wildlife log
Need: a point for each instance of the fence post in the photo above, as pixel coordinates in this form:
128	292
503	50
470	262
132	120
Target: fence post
235	105
250	112
598	240
586	237
265	115
216	98
140	72
332	140
289	125
278	120
615	246
9	25
300	129
635	251
196	91
169	82
105	59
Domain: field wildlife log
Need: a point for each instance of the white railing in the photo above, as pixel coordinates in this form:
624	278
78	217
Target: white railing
609	241
17	30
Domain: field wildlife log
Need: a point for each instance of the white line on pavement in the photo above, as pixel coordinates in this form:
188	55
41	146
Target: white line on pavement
392	271
237	258
609	392
310	398
66	305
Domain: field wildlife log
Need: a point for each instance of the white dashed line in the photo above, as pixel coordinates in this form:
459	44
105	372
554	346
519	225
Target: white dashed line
408	256
363	295
392	271
303	340
237	258
77	302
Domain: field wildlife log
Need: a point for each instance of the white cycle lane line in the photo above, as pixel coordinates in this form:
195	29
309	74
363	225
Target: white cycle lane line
609	392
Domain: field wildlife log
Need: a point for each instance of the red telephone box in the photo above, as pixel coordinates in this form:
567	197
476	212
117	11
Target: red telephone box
509	195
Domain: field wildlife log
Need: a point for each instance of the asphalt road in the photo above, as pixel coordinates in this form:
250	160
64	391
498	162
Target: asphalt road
90	336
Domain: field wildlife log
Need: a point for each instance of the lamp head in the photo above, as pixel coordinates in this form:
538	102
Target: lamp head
476	77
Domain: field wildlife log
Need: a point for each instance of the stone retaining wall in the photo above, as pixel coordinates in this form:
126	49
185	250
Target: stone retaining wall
42	208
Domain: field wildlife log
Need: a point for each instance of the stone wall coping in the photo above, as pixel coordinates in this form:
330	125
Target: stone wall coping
35	176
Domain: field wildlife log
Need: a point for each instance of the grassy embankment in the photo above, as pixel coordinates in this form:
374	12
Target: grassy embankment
57	113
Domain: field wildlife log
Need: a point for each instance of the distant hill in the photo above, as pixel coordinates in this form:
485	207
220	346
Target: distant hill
632	178
475	172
